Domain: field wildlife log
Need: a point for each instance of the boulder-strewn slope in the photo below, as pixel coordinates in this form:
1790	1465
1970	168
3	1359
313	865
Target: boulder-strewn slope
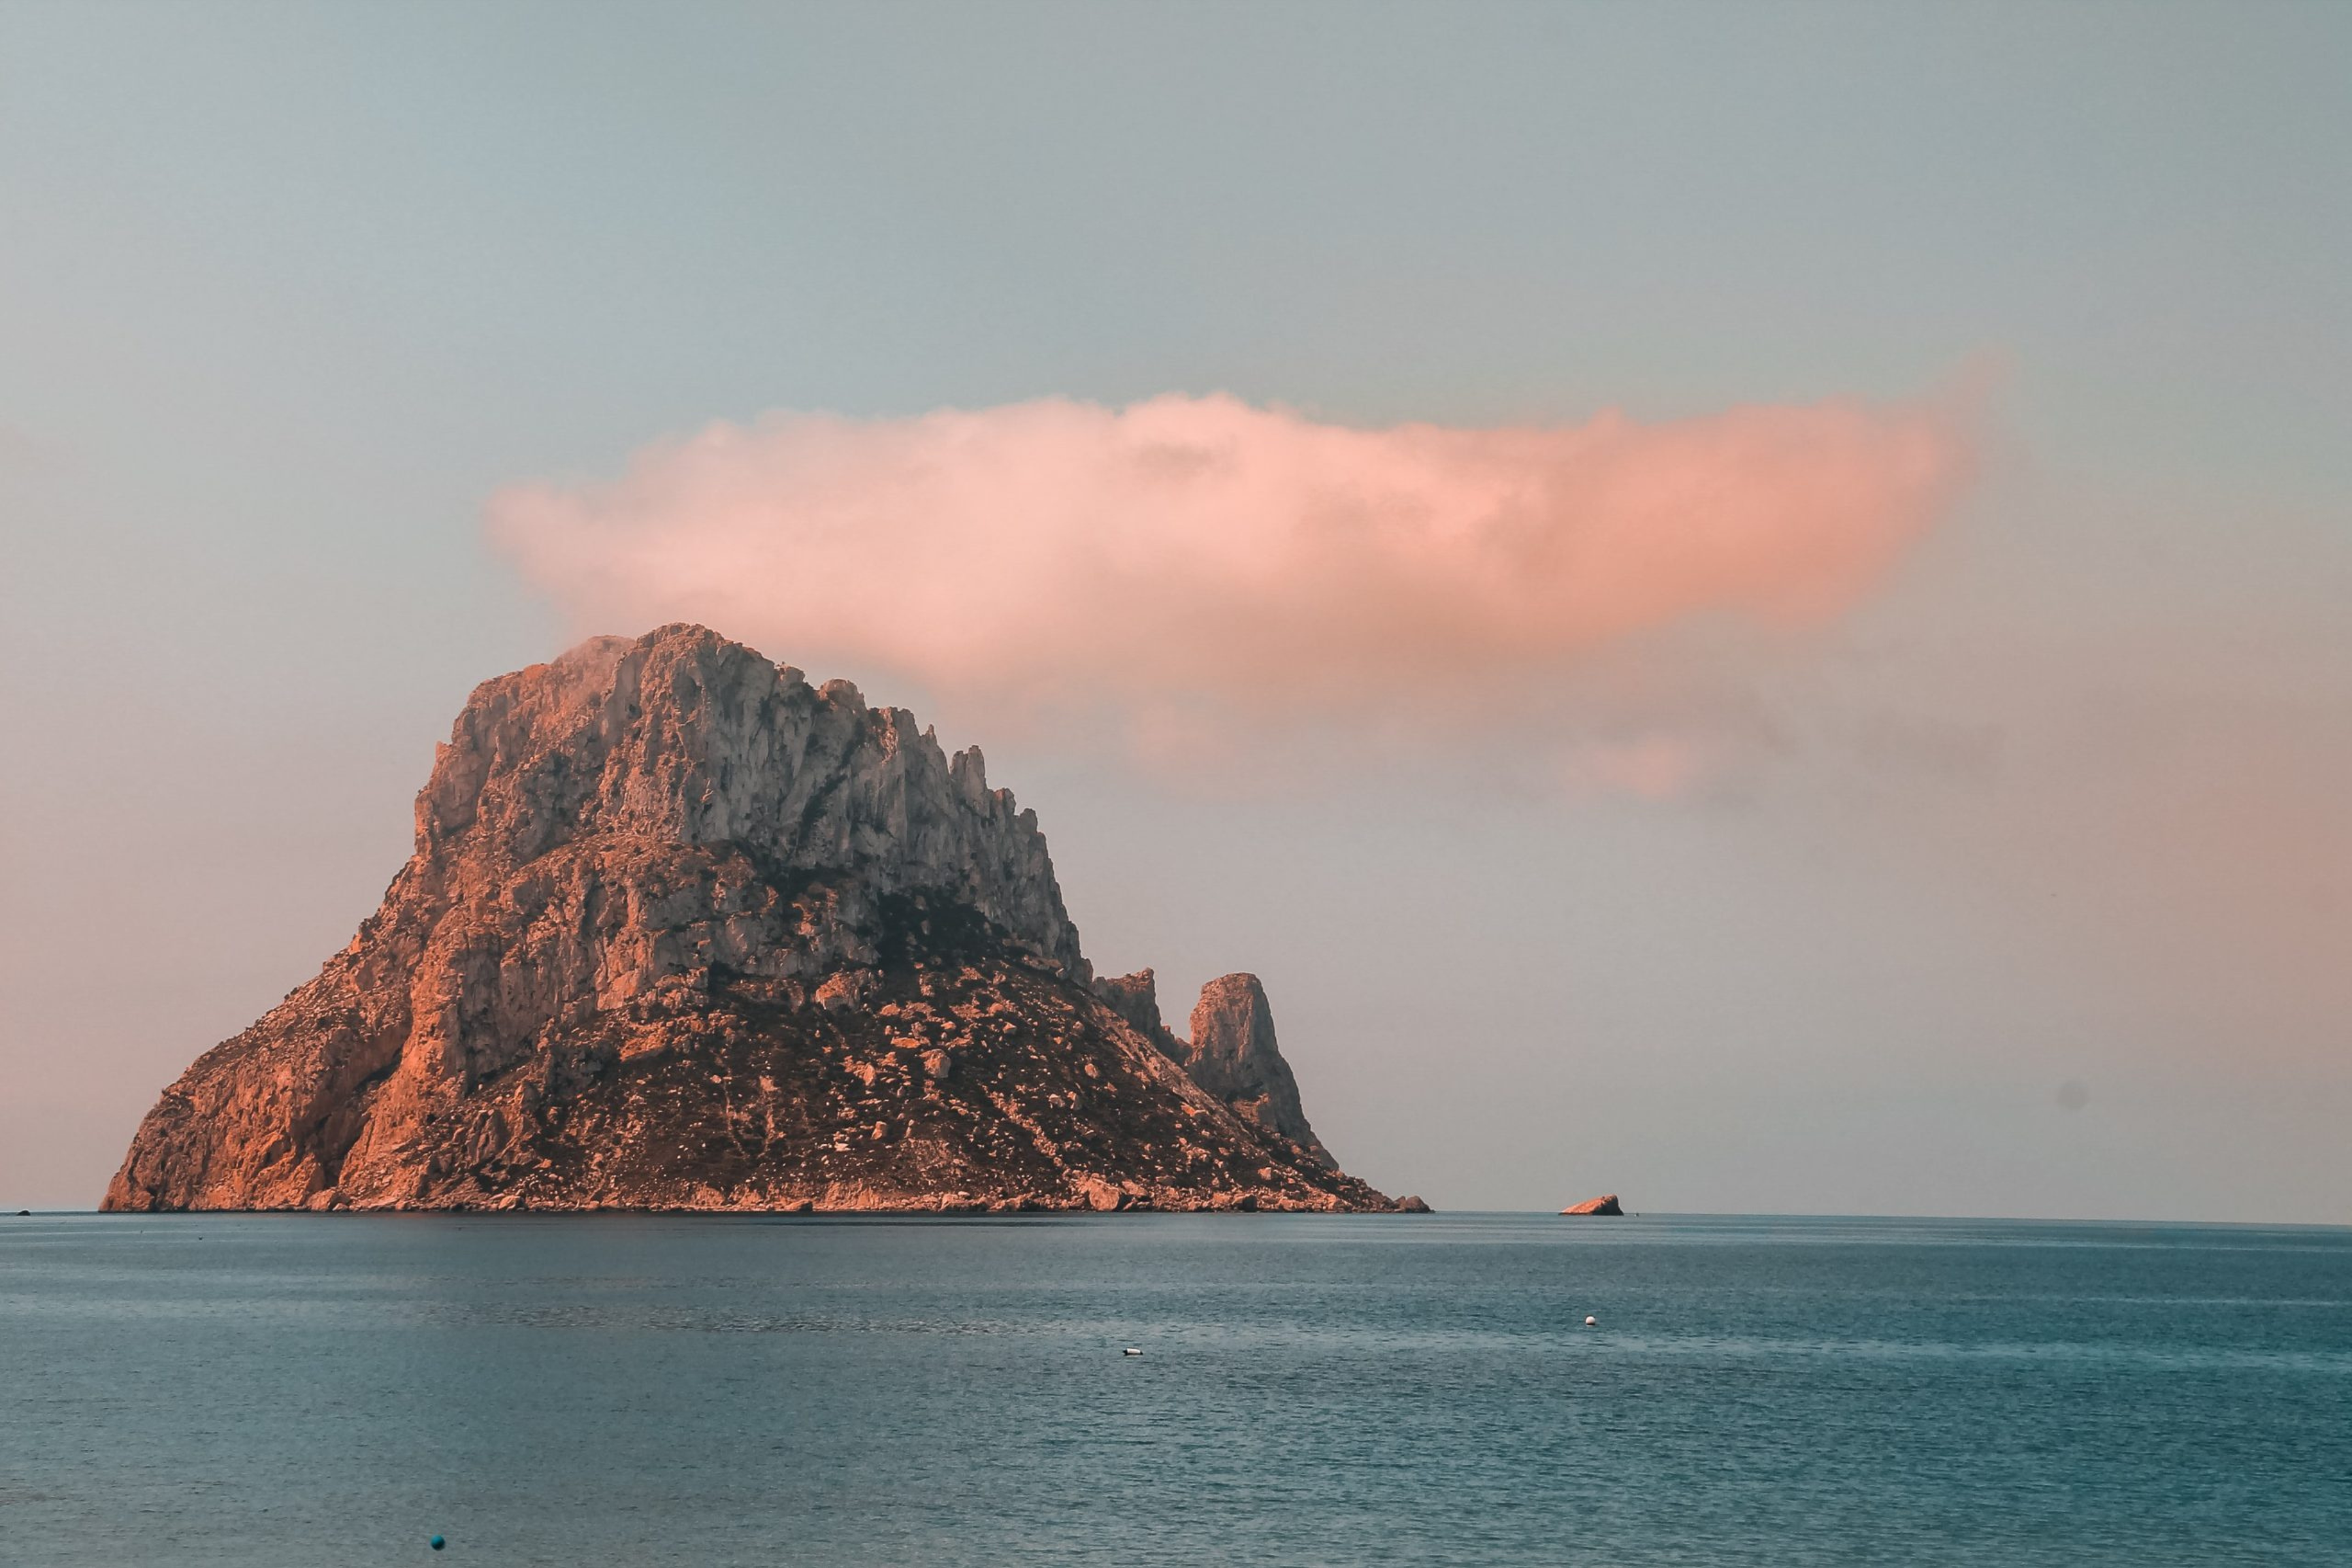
682	931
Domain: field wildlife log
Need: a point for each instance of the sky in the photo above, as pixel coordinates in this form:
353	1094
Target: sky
1747	607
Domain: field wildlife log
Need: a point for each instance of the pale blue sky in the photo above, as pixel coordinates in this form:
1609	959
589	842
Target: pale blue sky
286	292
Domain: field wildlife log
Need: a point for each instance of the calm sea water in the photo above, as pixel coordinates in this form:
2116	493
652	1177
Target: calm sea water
333	1390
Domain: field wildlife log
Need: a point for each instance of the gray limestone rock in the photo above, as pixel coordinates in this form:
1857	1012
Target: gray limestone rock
683	932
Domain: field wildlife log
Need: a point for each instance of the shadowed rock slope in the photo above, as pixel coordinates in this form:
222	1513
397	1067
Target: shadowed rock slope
682	931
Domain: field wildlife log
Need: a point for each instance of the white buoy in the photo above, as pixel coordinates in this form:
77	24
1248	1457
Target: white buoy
1130	1350
1591	1322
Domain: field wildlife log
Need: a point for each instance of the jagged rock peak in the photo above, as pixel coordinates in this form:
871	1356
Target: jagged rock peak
684	736
1136	998
682	931
1233	1055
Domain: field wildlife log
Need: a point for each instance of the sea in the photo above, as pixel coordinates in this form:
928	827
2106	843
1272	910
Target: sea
274	1391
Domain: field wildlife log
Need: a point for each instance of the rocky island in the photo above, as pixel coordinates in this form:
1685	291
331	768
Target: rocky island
682	931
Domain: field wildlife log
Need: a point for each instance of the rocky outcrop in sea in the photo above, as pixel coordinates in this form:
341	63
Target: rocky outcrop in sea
683	930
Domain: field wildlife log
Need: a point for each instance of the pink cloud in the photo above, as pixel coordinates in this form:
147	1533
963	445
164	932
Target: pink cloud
1203	568
1655	766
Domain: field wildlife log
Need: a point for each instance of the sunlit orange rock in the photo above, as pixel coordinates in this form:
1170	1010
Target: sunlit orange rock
1232	1051
682	931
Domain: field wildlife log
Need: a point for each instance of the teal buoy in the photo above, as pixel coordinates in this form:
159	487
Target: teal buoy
436	1543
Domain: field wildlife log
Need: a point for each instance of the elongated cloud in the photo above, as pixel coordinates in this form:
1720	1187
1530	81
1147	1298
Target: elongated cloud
1201	568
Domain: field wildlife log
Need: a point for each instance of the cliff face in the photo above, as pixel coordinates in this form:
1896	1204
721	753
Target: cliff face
1231	1052
682	931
